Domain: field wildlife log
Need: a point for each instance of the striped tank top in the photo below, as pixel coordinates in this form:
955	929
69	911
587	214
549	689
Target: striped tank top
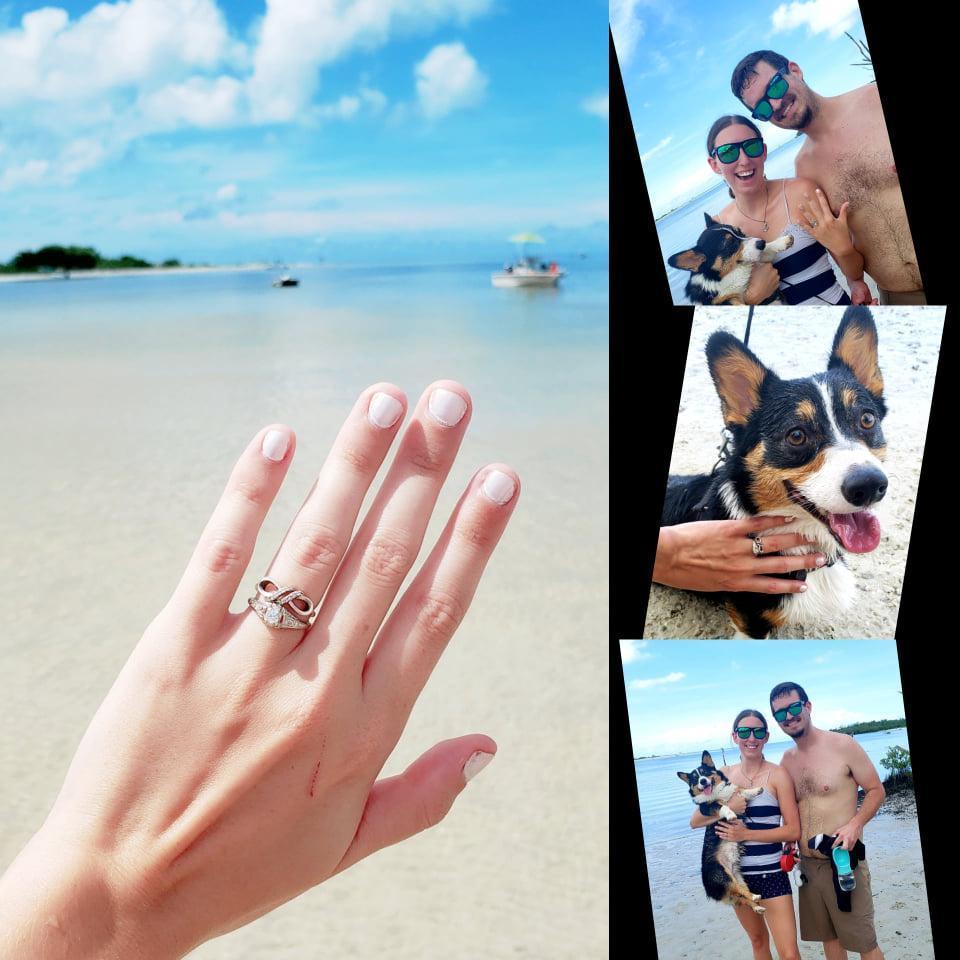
762	813
806	272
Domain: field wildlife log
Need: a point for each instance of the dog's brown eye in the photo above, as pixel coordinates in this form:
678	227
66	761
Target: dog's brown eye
868	421
796	437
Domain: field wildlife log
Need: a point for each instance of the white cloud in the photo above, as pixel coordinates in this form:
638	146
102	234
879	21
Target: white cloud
30	172
627	28
299	37
227	192
197	102
448	79
656	681
632	651
114	45
832	17
598	105
662	145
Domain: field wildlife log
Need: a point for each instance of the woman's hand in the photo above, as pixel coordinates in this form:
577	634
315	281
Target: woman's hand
860	294
764	283
717	555
738	804
735	830
234	765
819	221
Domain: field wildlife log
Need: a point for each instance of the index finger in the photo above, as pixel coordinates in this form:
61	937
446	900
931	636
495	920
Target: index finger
756	525
824	206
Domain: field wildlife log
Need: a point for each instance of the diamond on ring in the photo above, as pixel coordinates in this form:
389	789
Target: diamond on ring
283	607
757	546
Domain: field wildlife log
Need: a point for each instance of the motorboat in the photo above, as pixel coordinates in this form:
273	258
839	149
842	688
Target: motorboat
527	270
286	281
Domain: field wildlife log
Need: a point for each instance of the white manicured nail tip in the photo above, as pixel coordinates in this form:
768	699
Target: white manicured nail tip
447	407
384	410
475	764
498	487
274	445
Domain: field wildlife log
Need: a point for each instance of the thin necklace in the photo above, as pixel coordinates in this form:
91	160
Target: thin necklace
766	200
757	774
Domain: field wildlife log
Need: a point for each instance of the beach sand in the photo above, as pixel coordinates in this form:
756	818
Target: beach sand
119	438
794	342
683	914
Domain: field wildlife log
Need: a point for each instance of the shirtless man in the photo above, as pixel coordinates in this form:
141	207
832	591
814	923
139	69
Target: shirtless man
847	151
827	768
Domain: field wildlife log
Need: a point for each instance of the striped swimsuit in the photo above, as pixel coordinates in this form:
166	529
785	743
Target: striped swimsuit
806	273
760	863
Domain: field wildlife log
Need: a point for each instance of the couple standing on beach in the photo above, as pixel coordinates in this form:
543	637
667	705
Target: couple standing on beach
812	792
845	198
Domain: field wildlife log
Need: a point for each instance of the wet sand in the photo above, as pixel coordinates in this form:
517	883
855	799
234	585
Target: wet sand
795	342
683	914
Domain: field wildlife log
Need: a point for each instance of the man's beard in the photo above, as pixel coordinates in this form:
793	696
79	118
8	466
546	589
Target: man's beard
797	735
802	120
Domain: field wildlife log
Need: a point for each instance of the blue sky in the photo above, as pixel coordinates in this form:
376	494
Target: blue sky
684	693
676	60
230	130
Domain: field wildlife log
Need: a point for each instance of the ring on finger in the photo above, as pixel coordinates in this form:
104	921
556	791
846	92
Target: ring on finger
757	546
284	607
814	223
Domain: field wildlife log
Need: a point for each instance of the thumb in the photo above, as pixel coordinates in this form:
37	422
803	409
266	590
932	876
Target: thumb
420	797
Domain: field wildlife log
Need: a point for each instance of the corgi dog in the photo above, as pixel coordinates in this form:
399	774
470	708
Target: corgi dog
720	864
811	449
722	260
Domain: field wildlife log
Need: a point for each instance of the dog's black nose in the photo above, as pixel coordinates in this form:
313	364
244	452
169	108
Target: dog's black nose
761	244
864	485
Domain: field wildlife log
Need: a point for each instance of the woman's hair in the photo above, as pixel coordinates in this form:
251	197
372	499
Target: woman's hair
749	713
728	121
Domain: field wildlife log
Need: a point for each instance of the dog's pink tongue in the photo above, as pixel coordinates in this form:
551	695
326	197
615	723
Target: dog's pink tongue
708	790
858	532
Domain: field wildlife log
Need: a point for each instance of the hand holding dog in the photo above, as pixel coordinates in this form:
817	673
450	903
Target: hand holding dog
735	830
717	556
764	283
233	766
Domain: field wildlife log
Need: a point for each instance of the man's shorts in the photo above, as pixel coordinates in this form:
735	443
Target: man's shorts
820	917
908	298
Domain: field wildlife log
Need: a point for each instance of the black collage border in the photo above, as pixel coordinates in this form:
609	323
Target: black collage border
913	63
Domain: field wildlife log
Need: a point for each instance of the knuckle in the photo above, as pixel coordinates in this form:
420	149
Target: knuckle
438	616
357	458
251	491
387	559
428	458
317	547
473	532
222	555
432	808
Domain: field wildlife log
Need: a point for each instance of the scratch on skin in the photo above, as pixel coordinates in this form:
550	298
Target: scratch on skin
316	773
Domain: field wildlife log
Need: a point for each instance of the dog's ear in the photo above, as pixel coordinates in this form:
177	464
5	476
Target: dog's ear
687	260
710	222
707	760
738	376
685	777
855	347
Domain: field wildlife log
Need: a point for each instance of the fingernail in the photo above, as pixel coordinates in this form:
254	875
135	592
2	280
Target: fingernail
803	588
498	487
789	519
821	560
447	407
275	443
384	410
475	764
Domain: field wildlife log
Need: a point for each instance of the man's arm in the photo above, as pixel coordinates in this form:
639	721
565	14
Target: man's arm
864	774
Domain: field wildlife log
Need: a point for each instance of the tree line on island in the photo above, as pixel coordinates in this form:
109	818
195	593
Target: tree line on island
55	257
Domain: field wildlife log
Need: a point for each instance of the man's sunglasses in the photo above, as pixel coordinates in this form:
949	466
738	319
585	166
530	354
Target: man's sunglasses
744	732
730	152
793	709
776	88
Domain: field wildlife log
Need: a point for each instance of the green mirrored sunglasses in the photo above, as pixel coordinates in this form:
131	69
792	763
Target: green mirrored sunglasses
730	152
776	88
744	732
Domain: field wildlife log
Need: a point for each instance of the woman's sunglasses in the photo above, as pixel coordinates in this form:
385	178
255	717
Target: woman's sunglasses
744	732
776	88
730	152
793	709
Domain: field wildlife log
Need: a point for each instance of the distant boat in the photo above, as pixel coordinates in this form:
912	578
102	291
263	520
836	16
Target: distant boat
286	281
528	271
